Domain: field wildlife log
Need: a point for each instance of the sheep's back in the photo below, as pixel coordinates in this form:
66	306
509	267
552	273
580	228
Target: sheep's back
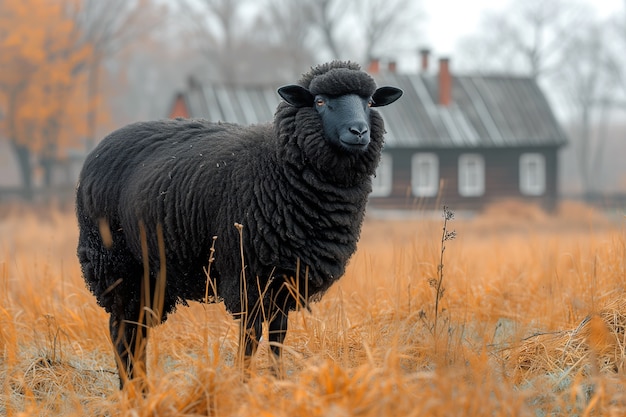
141	154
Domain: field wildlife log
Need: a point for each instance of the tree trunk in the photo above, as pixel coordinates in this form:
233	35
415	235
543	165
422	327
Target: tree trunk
21	151
47	164
93	83
596	160
584	156
23	155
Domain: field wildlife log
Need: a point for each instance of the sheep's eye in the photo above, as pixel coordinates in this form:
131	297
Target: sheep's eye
319	102
370	102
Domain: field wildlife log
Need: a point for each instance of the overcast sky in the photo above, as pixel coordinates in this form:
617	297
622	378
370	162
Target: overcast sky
449	20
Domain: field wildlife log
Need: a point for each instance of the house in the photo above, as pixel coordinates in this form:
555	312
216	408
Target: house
460	140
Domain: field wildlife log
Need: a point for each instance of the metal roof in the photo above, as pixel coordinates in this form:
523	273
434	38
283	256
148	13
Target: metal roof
244	105
486	111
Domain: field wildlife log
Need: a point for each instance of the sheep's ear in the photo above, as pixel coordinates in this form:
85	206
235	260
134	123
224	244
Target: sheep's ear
385	95
296	95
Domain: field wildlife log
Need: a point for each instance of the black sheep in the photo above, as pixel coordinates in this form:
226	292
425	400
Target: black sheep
298	188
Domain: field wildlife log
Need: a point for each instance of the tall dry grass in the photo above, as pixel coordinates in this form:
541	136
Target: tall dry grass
531	322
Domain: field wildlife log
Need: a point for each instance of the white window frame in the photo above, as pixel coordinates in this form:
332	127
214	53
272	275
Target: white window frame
382	182
430	163
532	174
471	175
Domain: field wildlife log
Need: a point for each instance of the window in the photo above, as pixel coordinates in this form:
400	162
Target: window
382	181
425	174
471	175
532	174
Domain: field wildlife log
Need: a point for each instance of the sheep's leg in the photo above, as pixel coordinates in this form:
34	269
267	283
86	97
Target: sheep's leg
250	331
277	333
130	340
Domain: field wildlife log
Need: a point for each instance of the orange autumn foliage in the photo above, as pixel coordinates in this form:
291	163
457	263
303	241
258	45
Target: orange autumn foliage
42	79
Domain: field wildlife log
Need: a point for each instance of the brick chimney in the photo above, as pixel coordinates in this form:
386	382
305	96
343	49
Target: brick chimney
179	107
445	82
424	55
374	66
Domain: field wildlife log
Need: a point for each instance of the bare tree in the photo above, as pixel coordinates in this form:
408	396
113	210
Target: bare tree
242	41
219	27
618	28
525	37
327	17
587	77
299	30
110	26
282	33
389	26
367	29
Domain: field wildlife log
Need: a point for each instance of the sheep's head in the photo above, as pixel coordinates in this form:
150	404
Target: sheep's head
343	98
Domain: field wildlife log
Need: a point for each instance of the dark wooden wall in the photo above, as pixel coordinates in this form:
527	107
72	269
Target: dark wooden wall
501	179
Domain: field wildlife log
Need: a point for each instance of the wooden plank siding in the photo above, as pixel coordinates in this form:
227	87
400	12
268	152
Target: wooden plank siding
501	179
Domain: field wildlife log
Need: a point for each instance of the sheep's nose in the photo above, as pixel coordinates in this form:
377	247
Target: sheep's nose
356	137
358	130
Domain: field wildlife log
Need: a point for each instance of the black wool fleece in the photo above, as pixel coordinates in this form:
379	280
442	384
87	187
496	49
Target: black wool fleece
300	200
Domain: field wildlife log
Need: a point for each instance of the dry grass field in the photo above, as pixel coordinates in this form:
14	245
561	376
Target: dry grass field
529	320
